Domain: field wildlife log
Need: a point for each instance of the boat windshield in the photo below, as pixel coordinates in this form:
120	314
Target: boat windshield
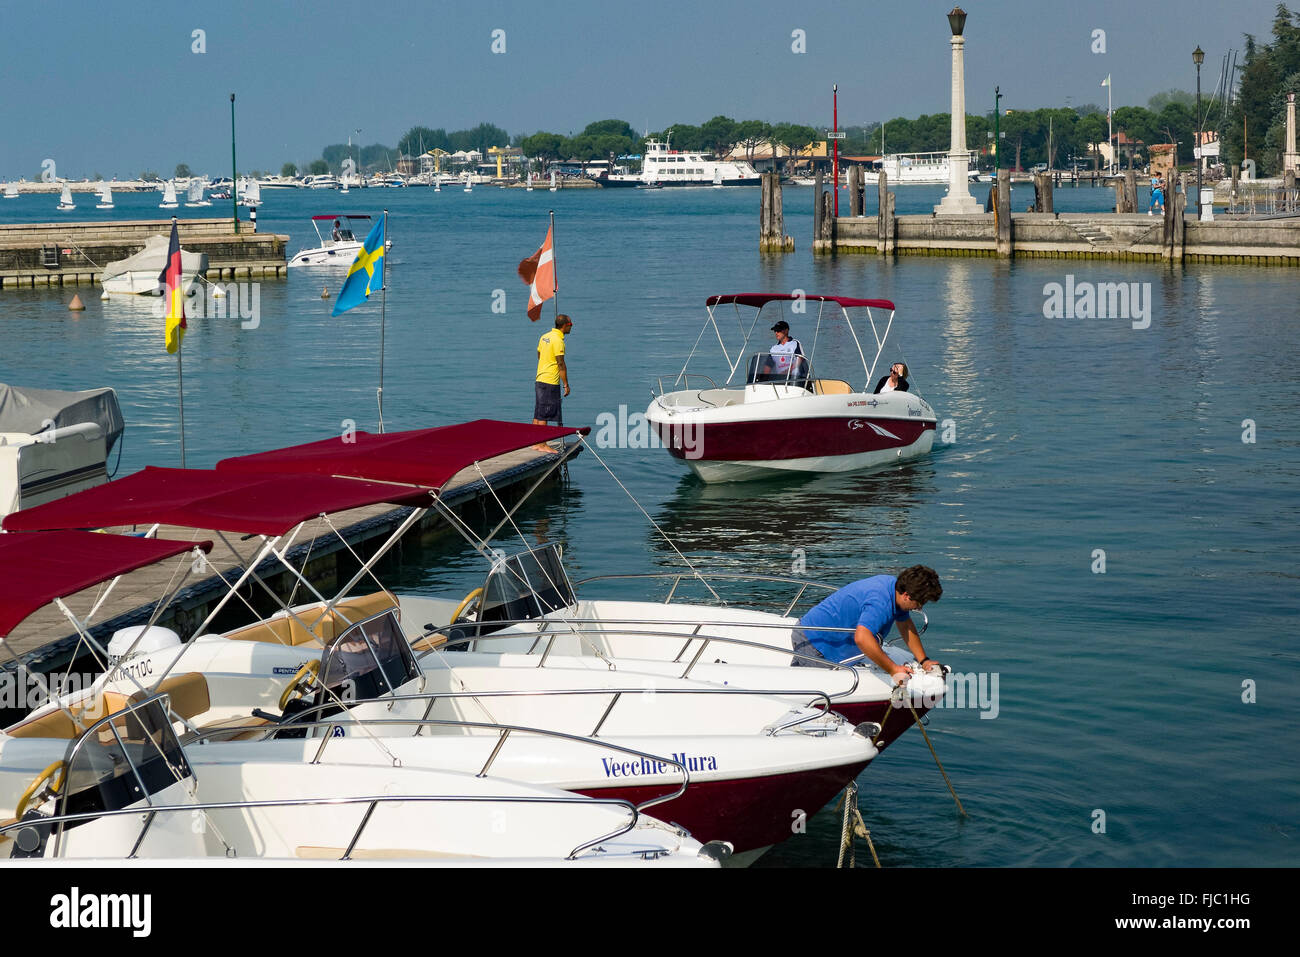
123	759
781	368
370	659
527	585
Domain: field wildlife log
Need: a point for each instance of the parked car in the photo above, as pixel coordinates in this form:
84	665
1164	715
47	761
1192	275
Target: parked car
1038	168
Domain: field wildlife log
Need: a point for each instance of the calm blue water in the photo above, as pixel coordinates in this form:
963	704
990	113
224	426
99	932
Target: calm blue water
1119	692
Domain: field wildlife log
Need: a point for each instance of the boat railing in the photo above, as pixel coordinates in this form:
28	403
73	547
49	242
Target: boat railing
683	379
151	811
601	629
504	730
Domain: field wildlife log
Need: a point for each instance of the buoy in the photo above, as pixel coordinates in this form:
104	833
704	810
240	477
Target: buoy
76	305
325	293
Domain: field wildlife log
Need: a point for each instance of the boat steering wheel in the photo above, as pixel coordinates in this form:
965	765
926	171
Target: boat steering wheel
474	601
58	767
297	686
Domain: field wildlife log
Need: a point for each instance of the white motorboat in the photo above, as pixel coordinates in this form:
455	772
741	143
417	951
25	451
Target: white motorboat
138	274
776	416
194	195
339	246
101	774
169	196
105	197
11	191
759	751
65	198
321	181
54	443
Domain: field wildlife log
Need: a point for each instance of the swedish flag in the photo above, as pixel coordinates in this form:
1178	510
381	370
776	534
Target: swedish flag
366	273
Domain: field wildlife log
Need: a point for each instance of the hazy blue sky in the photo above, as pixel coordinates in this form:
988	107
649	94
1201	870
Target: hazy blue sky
115	87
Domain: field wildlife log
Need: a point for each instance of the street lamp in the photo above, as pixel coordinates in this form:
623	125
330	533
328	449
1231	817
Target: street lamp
1198	57
234	190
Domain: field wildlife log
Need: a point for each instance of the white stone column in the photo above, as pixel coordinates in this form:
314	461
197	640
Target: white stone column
1290	159
959	201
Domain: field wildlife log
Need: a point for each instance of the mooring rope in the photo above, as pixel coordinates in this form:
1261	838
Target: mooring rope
853	826
933	754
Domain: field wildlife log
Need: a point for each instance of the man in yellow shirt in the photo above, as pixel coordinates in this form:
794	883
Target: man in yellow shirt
551	371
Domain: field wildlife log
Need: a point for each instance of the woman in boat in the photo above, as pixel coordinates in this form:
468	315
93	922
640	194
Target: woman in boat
896	381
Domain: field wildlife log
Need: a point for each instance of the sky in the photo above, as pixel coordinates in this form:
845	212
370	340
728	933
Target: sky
116	88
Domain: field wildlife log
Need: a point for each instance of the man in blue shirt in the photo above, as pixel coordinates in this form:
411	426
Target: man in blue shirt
871	606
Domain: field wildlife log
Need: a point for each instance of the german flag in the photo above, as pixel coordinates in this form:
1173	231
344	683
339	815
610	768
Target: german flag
170	280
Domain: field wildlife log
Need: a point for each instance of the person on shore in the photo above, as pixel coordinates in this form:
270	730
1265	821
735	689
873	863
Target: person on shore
871	607
896	381
551	371
1157	195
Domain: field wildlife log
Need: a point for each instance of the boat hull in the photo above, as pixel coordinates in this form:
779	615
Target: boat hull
813	434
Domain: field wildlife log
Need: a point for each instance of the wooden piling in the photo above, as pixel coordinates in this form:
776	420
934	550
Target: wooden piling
771	222
1043	193
855	190
1002	213
885	239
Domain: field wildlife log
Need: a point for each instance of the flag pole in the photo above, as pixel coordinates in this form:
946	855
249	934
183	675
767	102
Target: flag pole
555	273
383	309
180	391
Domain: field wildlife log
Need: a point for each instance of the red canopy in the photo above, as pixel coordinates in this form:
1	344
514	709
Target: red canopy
202	498
38	567
760	299
428	457
341	216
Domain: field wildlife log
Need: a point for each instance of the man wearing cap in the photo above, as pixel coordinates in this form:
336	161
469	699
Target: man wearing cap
871	607
781	362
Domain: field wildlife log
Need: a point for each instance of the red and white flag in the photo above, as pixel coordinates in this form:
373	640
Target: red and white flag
538	270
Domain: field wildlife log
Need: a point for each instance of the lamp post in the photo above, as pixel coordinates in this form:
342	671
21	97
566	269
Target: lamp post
234	190
997	132
959	201
1198	57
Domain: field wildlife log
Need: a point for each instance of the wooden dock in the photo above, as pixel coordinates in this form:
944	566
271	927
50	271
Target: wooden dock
46	641
59	254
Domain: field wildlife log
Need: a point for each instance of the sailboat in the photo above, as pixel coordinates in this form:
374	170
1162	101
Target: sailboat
437	186
65	198
553	187
195	197
469	182
252	194
169	196
105	197
529	188
11	191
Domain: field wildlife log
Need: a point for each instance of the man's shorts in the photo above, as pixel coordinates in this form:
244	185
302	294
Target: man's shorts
546	407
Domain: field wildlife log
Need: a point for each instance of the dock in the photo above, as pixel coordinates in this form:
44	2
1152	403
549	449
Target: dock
1271	239
60	254
46	641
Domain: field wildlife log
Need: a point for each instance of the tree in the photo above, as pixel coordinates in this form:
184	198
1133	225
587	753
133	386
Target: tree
318	167
421	139
749	133
543	146
183	171
718	135
1158	102
289	169
149	176
610	128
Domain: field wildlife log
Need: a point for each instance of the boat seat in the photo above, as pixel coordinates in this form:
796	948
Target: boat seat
429	642
241	729
189	694
831	387
287	630
57	724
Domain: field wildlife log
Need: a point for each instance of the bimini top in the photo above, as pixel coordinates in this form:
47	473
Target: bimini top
201	498
341	216
761	299
425	457
38	567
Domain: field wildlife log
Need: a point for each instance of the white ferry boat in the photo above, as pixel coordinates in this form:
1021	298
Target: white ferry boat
669	167
914	169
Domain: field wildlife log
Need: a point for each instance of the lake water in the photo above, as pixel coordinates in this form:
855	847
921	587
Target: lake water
1120	693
